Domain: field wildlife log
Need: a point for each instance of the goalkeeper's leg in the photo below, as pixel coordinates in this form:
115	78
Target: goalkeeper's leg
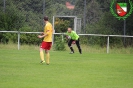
70	46
78	45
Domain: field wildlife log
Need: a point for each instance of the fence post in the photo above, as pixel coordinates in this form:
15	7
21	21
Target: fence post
18	40
108	44
53	30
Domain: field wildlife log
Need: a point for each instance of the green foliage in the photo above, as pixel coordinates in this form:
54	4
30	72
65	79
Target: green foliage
99	20
9	37
29	38
12	19
61	25
59	44
27	15
84	39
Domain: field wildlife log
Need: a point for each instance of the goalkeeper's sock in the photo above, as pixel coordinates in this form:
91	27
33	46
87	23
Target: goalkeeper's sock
72	49
80	51
42	56
47	58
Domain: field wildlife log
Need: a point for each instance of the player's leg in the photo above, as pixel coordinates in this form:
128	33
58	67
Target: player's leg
78	45
48	44
42	47
70	46
47	57
42	55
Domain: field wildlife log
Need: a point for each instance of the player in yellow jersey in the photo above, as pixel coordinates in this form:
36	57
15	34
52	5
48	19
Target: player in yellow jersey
47	41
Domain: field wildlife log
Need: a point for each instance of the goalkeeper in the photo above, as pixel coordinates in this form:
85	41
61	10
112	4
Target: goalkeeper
73	38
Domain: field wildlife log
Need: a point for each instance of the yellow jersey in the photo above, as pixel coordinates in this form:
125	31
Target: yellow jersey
49	31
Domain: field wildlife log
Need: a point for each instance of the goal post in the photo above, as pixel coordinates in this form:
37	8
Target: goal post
76	25
76	20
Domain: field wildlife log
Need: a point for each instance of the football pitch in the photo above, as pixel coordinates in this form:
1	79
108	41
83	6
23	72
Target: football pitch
21	69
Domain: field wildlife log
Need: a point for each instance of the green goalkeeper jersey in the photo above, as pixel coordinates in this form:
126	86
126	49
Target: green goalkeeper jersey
73	35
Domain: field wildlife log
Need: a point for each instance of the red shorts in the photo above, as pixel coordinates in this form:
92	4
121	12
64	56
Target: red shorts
46	45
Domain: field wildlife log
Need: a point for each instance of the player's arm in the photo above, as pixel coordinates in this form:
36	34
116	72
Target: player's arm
45	34
42	36
67	36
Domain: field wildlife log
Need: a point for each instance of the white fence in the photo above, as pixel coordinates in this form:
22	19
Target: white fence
108	36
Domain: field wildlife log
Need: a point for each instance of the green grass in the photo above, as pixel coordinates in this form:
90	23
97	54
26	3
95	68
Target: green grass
21	69
85	48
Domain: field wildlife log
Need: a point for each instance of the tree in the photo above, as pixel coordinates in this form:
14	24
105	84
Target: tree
11	19
61	25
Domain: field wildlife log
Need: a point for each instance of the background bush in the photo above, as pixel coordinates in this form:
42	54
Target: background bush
59	44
